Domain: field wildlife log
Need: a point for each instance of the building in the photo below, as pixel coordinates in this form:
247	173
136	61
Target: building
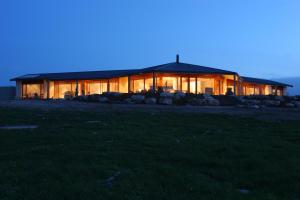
171	77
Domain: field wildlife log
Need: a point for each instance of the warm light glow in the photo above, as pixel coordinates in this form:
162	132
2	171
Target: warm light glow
123	85
114	85
205	85
32	90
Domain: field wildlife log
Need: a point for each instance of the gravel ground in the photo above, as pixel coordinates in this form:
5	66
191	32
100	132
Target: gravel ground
264	114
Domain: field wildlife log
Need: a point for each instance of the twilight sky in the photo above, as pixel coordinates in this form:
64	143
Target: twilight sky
258	38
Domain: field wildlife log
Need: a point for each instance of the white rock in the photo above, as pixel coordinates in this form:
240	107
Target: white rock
150	100
137	98
166	94
103	99
271	102
166	101
289	105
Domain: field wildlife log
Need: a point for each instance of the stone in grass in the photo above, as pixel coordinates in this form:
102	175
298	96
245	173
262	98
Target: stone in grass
103	100
128	100
138	98
166	101
244	191
150	100
289	105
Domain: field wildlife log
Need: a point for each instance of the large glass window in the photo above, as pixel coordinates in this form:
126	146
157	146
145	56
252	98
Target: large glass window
138	85
58	89
148	83
205	85
114	85
170	84
192	85
96	87
32	90
123	84
185	84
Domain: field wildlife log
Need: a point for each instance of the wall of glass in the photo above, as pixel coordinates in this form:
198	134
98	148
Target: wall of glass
32	90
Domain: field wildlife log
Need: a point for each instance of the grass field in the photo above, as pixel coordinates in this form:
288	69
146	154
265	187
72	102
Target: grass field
143	155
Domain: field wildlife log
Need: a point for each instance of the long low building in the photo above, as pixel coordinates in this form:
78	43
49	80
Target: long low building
171	77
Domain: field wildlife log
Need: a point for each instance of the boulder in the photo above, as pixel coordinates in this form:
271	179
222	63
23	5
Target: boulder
254	106
198	102
166	101
103	100
252	102
166	94
128	100
296	103
150	100
289	105
240	106
213	102
271	103
279	98
138	98
94	97
179	95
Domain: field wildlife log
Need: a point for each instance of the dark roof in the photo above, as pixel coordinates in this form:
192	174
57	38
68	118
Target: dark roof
264	81
78	75
170	67
186	68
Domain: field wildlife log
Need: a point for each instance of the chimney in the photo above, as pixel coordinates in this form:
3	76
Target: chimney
177	58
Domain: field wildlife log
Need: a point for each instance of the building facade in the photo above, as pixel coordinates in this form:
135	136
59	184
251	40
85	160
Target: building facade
171	77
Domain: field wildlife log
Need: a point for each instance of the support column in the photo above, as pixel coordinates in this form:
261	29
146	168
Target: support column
129	84
196	90
153	81
189	85
45	89
108	87
76	89
180	84
234	84
219	87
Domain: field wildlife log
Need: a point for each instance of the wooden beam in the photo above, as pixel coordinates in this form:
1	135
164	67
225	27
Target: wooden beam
129	84
219	86
196	85
108	87
189	86
153	82
234	84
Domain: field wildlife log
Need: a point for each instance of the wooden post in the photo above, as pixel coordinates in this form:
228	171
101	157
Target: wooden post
129	84
153	82
108	87
196	86
234	84
219	86
76	89
189	84
180	83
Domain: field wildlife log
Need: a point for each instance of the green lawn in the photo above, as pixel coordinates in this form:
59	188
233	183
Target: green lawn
139	155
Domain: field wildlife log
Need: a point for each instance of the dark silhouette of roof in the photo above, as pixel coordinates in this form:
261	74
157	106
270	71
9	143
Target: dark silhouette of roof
169	68
174	67
87	75
178	67
263	81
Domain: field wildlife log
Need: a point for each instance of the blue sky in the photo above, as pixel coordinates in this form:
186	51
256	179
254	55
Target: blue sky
253	37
